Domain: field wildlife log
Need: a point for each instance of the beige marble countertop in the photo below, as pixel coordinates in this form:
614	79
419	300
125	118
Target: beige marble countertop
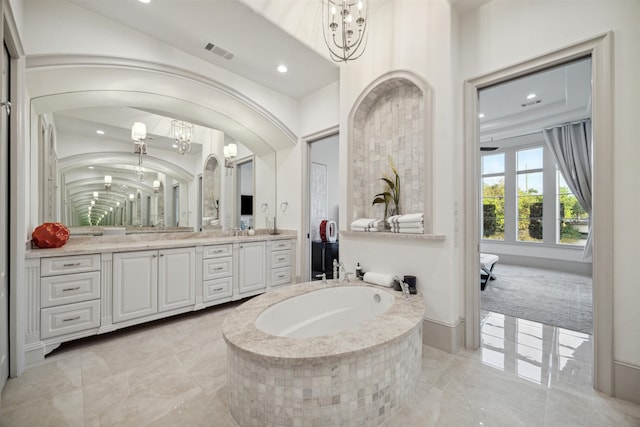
80	245
240	332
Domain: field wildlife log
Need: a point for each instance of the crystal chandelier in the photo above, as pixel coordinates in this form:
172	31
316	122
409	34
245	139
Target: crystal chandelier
344	27
182	133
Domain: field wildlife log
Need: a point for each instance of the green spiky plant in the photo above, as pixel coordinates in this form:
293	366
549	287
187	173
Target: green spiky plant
391	193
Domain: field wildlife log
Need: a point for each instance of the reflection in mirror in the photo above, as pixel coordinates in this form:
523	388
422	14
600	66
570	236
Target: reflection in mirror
152	190
211	193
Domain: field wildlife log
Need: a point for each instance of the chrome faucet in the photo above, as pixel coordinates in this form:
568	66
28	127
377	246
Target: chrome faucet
404	286
322	276
335	270
345	279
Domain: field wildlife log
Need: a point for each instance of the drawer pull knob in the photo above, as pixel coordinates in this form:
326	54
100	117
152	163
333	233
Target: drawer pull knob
218	251
218	268
71	319
75	288
282	259
217	289
73	264
281	276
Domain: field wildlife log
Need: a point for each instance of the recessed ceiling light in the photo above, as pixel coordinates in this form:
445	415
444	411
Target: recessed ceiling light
100	132
531	96
282	68
145	1
481	115
90	167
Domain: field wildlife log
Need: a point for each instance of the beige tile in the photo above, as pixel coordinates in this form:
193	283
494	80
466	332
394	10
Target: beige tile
173	373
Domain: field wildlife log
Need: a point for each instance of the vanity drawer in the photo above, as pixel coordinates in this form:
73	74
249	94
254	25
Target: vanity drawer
280	259
216	289
217	251
69	264
280	276
277	245
69	318
217	268
69	288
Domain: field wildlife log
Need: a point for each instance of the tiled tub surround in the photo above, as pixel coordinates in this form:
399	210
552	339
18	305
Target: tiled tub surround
358	377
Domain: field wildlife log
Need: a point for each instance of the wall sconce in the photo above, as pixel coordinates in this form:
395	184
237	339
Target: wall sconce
229	151
139	134
95	195
93	202
156	186
107	182
182	133
131	197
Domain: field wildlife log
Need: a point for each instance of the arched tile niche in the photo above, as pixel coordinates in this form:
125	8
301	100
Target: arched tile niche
392	117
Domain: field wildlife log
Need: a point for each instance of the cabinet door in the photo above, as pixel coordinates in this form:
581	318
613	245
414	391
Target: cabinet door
252	267
135	285
176	278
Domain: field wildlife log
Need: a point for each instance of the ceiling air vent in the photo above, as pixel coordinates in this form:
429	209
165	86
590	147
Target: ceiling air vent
218	51
530	103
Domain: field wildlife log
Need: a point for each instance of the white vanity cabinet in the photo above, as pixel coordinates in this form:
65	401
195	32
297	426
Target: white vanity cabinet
69	295
252	268
217	273
280	262
148	282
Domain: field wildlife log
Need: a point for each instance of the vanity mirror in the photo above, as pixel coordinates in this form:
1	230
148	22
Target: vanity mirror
98	172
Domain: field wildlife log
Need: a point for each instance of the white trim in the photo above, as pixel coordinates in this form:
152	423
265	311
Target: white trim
601	50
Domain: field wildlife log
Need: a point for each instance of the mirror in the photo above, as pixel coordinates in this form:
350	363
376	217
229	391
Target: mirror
93	179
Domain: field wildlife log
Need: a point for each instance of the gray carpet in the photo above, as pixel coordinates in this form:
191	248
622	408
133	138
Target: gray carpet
545	296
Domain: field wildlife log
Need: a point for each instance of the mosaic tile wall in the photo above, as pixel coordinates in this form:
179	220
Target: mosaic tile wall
389	122
364	389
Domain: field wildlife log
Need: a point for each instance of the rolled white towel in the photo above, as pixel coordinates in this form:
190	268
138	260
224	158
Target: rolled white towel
398	219
379	279
414	230
363	222
413	217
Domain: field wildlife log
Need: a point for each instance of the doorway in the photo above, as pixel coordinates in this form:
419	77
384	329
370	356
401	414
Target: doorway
600	50
323	189
245	186
535	216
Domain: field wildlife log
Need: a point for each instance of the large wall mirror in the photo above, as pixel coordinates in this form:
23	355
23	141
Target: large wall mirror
93	178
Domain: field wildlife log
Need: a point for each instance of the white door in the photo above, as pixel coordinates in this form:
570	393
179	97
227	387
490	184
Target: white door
176	278
4	228
252	267
135	285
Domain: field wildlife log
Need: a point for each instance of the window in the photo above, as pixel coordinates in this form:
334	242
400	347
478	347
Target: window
514	206
493	196
530	194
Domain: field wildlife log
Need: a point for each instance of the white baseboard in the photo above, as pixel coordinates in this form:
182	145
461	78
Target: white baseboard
443	337
626	382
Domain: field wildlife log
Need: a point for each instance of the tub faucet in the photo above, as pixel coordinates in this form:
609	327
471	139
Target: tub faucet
335	270
403	286
345	279
322	276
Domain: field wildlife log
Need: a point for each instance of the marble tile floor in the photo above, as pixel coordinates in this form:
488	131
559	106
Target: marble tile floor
173	373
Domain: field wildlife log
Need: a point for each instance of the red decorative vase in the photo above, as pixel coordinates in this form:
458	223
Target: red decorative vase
50	235
323	230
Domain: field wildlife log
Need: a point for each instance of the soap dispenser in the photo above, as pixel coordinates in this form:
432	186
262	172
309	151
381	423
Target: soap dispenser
358	271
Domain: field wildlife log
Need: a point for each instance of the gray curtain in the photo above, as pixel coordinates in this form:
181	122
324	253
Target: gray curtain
571	147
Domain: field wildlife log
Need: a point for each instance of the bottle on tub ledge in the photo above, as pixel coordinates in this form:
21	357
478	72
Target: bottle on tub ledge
359	274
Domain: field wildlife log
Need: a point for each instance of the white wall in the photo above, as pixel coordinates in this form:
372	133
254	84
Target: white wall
501	33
